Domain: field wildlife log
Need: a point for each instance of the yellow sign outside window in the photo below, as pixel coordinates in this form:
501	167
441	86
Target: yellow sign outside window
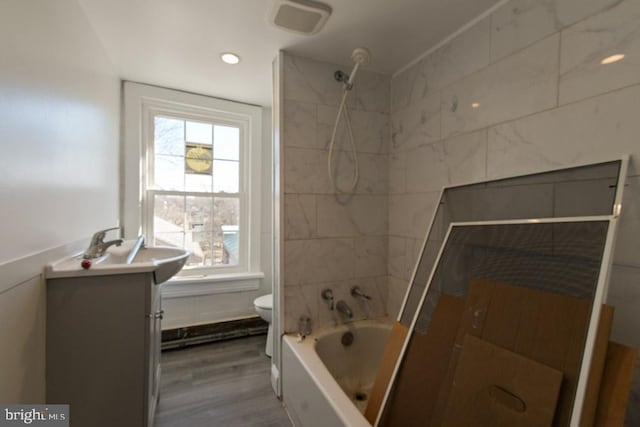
198	159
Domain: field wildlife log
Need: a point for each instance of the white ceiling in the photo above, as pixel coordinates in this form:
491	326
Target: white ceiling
176	43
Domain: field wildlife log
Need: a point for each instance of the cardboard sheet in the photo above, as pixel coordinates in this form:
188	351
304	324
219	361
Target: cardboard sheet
493	387
542	326
385	371
547	327
424	367
615	386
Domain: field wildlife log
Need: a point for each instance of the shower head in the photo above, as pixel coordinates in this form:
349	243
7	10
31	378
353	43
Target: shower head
361	55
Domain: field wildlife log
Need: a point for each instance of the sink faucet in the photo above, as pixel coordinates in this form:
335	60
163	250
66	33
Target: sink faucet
98	246
344	309
357	293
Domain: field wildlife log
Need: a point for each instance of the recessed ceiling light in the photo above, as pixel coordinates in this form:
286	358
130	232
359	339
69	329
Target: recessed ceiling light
613	58
475	105
230	58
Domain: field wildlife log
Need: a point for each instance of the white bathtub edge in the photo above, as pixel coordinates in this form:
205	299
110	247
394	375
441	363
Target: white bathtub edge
310	362
348	414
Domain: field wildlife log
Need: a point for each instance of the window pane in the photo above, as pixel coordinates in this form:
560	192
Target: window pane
226	143
168	136
226	176
199	238
168	214
200	244
199	132
169	172
226	230
199	218
200	183
169	239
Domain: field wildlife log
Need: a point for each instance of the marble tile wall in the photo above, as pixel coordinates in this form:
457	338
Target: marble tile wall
521	91
330	243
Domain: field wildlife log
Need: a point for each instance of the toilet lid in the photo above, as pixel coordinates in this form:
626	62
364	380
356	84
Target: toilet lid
265	301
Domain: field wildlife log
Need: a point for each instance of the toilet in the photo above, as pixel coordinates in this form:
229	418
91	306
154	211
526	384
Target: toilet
264	307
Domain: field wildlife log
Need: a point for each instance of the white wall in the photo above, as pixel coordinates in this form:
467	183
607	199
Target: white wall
545	101
203	309
59	103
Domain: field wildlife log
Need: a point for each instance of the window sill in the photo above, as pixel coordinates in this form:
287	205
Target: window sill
185	286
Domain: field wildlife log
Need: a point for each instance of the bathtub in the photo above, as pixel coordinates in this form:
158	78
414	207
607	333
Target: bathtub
325	383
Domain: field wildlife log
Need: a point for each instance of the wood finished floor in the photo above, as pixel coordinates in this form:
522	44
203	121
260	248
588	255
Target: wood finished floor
221	384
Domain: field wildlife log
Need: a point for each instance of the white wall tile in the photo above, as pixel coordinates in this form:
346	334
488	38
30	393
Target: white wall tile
300	301
397	288
465	54
363	215
408	85
586	44
466	157
522	22
370	130
416	124
457	160
371	91
589	131
307	80
373	173
376	307
318	260
426	168
299	216
521	84
572	11
371	256
312	214
300	124
324	128
305	171
397	255
397	172
410	214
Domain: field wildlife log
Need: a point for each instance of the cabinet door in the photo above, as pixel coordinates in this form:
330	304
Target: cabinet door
155	338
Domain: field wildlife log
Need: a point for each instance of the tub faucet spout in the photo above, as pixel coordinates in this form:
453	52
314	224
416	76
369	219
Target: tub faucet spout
344	309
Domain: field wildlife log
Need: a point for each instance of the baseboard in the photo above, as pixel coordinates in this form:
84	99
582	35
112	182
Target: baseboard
212	332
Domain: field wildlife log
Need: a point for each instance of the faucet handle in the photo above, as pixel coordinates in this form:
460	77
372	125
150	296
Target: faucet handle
356	292
327	295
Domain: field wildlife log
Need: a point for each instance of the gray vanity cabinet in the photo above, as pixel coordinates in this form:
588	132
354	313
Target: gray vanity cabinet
103	348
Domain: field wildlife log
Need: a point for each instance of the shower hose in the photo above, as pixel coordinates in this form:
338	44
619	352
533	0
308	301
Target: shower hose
342	110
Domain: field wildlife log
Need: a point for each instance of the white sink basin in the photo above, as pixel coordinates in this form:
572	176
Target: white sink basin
164	262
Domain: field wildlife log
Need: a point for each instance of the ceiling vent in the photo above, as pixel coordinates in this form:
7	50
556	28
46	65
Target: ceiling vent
300	16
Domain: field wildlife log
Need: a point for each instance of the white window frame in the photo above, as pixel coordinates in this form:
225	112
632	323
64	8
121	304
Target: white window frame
141	104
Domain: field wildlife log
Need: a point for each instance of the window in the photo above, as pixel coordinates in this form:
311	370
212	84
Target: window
193	192
198	175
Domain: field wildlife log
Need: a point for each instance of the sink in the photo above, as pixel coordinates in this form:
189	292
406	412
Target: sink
168	261
129	258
